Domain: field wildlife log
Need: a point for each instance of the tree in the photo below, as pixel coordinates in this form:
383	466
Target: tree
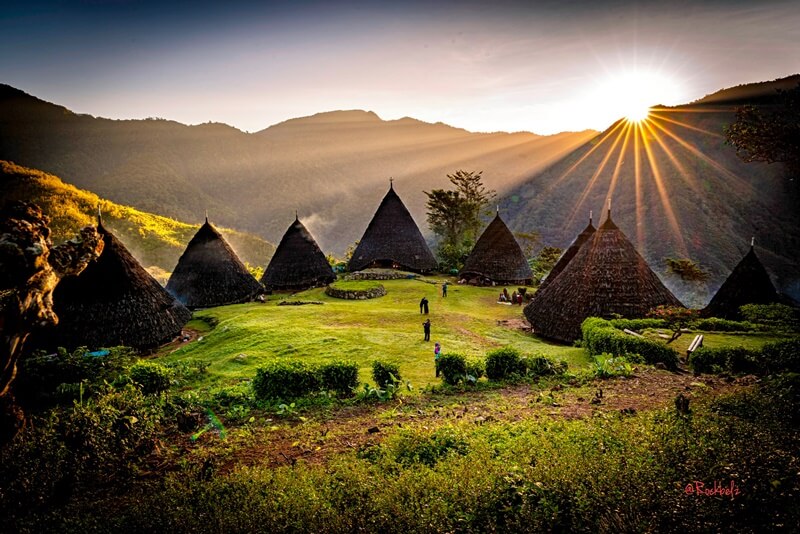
769	133
30	269
544	262
686	269
455	215
676	317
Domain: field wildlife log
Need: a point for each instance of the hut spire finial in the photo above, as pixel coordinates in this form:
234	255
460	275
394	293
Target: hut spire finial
590	216
609	207
295	215
498	209
206	216
752	242
391	183
99	215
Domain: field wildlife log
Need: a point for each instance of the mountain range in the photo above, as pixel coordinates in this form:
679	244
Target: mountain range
692	196
333	168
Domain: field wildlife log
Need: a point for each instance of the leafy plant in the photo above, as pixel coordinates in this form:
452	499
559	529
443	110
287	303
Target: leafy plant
285	380
152	377
775	315
607	366
453	368
504	362
338	376
600	336
385	373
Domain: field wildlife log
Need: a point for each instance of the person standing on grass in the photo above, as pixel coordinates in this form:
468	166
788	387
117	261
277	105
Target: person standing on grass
423	305
437	350
444	289
426	328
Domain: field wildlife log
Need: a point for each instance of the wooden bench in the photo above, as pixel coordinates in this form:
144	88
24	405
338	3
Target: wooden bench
696	343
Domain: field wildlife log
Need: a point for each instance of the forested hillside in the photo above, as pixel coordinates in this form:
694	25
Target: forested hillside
332	167
692	197
156	241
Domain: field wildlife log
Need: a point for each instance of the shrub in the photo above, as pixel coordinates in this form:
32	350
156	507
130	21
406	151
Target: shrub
338	376
600	336
725	359
476	368
416	447
541	366
782	356
775	315
607	366
385	373
151	376
715	324
502	363
285	380
453	368
44	380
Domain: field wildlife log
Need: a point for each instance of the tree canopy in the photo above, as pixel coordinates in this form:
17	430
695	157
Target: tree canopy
769	133
455	215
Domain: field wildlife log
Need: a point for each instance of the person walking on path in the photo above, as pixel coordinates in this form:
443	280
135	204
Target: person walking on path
437	350
423	305
444	289
426	328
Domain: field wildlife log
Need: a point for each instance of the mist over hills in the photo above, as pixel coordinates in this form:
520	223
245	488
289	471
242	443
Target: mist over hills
332	167
694	198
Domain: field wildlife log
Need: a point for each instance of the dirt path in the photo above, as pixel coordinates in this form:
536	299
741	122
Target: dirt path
277	441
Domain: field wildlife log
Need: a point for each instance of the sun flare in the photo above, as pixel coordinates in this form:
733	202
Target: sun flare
631	94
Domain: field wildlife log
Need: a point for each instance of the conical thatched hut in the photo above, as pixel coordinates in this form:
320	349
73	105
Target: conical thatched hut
568	254
393	239
606	276
298	262
210	274
496	256
114	302
749	283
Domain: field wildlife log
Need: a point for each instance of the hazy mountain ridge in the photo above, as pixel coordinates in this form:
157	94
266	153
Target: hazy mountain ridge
154	240
718	201
332	167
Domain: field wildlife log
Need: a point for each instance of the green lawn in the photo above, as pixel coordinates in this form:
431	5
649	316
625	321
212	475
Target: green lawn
389	328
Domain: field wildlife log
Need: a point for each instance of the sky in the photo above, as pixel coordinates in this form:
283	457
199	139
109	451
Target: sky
544	67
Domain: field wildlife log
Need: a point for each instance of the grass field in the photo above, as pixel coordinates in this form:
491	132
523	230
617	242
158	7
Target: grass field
390	327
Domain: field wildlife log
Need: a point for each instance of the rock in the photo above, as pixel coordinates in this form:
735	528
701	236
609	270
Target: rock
373	430
660	365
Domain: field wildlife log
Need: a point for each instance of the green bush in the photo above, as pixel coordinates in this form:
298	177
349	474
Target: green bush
782	356
778	357
476	368
542	366
338	376
600	336
151	376
47	379
503	363
285	380
725	359
385	373
774	315
607	366
453	368
715	324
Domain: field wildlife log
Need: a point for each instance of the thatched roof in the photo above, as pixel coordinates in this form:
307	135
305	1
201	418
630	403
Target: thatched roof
568	254
114	302
298	262
210	274
749	283
393	237
606	276
497	256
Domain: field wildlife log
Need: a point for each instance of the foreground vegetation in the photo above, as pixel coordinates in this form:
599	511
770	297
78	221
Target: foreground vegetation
263	422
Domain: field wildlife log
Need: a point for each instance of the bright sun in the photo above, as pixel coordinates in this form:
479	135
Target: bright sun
630	94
